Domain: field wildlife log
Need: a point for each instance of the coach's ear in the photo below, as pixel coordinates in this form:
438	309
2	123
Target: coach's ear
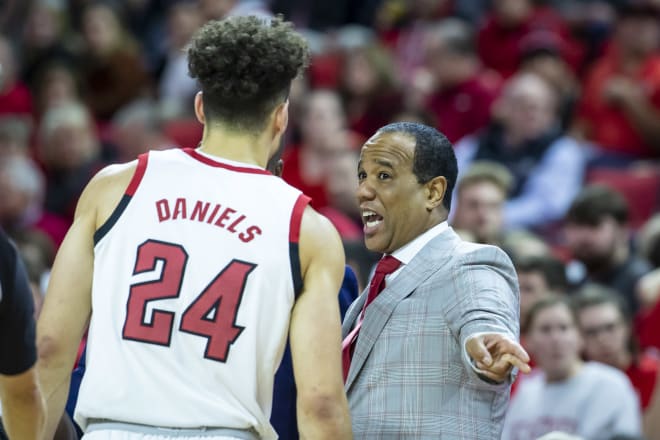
199	108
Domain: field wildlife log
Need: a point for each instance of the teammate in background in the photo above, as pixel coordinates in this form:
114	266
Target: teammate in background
192	265
283	416
22	402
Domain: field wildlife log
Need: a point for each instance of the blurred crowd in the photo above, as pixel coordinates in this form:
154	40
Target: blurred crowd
553	108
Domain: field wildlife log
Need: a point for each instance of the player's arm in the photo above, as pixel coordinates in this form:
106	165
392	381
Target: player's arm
315	333
22	405
67	307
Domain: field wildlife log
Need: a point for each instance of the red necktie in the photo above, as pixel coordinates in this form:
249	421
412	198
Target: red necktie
386	266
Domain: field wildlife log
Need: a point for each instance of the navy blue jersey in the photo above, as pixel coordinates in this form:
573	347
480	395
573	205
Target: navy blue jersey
17	329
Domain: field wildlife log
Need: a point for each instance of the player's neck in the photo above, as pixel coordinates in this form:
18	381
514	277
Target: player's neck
236	146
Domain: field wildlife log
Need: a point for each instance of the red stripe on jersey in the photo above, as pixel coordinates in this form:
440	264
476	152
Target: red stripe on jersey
296	217
139	173
208	161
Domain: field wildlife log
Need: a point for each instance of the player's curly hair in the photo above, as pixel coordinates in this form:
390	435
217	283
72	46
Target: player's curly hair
244	66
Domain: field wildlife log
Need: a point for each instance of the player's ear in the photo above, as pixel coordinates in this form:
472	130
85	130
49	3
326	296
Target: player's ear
281	117
199	108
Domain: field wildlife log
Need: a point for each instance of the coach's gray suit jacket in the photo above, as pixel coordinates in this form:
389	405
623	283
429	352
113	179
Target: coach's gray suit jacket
409	375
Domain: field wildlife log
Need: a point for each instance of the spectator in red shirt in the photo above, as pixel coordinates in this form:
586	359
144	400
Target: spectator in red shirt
605	322
112	70
341	182
323	134
499	39
620	106
14	95
369	89
647	321
463	93
402	27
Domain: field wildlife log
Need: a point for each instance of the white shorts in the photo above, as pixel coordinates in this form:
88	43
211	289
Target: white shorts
109	434
108	430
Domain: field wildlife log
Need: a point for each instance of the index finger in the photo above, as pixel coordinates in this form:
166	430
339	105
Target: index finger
513	348
523	366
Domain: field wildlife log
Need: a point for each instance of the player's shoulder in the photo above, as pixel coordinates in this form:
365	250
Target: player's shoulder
316	223
106	188
317	234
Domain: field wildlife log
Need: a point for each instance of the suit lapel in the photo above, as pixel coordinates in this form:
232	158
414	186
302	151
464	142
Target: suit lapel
422	266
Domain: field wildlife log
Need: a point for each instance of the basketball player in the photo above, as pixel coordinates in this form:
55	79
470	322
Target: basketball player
192	265
22	403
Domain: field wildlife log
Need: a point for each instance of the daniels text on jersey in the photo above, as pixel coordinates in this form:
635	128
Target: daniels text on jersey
207	212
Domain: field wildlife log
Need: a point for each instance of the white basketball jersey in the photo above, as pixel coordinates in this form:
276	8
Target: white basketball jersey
195	275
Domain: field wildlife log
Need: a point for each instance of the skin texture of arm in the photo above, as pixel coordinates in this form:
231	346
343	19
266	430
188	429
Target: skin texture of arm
23	406
67	308
315	334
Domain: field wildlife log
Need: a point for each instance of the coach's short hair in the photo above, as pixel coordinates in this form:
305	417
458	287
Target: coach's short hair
434	154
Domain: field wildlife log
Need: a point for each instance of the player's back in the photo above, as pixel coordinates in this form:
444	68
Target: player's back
195	276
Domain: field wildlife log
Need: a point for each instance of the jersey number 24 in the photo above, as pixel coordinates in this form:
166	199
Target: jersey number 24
212	314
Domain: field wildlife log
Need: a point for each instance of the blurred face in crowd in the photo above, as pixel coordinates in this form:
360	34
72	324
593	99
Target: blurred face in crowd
13	201
605	334
360	78
554	342
7	64
551	68
14	134
182	21
479	210
216	9
322	118
392	202
510	13
101	29
527	108
426	8
41	27
342	182
57	87
533	288
69	144
595	245
442	62
639	36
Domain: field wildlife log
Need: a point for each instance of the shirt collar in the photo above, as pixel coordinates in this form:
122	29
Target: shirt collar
406	253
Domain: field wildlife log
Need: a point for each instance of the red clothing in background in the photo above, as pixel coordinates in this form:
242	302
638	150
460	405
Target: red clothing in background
607	125
643	377
16	101
463	109
292	175
499	47
647	327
